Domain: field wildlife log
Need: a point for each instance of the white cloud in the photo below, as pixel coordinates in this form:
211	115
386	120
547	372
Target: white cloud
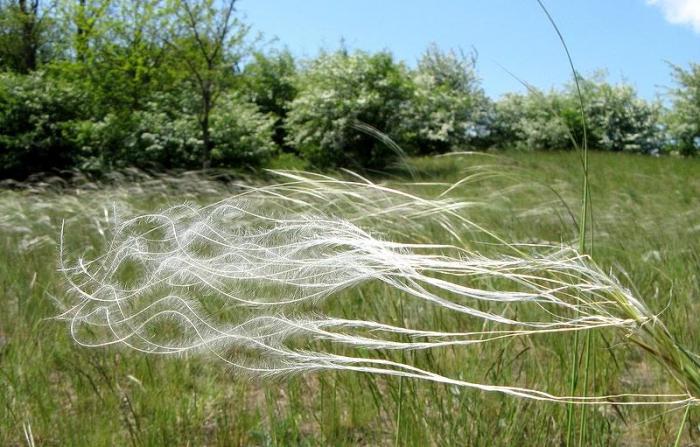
683	12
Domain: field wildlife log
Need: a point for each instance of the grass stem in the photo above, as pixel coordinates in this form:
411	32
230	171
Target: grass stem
680	429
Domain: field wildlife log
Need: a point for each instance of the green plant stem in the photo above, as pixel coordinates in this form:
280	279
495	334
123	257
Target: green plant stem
586	370
397	437
585	206
573	379
680	429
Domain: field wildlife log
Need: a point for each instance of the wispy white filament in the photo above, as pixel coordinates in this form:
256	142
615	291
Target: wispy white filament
247	279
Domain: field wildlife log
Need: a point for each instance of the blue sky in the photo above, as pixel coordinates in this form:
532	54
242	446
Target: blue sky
631	39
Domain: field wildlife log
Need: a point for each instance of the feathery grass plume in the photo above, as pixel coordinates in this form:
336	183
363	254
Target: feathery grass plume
245	279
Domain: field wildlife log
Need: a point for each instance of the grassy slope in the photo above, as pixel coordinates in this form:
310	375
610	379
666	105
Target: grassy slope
646	224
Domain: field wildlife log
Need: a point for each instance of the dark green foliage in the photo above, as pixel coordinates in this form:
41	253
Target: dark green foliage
143	83
145	139
108	84
163	135
36	121
269	82
25	35
242	135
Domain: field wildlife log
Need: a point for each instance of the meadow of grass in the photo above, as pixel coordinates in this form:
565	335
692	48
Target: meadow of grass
646	230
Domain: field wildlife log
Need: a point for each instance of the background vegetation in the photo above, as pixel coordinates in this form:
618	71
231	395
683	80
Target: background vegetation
105	84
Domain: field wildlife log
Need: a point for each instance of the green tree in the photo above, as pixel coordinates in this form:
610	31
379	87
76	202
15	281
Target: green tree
25	35
208	41
131	64
116	54
83	24
268	81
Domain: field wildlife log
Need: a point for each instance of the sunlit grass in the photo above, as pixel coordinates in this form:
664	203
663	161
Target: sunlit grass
645	233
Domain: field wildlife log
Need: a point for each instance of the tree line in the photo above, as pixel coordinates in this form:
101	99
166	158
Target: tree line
98	85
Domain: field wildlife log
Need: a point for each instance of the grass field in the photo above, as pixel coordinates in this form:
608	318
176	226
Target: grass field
646	231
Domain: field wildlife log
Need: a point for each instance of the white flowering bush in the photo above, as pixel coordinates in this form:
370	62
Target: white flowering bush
619	120
684	119
448	103
616	119
337	91
531	121
167	134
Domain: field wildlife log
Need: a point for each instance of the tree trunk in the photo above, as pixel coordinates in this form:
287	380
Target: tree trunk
206	151
206	136
81	31
29	45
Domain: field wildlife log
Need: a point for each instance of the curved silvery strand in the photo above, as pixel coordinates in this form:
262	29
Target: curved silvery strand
247	280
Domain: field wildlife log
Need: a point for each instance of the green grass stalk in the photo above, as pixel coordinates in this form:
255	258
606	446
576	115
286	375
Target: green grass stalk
397	437
680	429
583	225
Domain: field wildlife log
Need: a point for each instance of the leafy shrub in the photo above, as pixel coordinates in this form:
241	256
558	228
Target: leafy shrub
100	143
338	90
532	121
619	120
616	118
448	104
162	135
166	137
241	133
36	112
684	119
159	138
268	81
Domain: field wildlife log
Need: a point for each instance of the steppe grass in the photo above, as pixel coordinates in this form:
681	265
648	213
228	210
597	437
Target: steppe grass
645	230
